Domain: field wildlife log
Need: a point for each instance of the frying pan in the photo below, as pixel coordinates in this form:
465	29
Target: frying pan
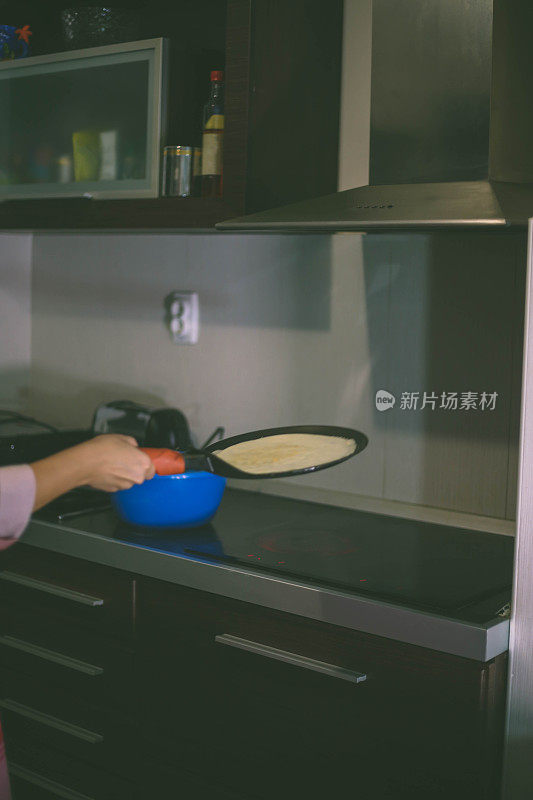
171	462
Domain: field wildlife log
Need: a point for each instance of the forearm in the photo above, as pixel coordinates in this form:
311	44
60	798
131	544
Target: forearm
109	462
17	492
58	474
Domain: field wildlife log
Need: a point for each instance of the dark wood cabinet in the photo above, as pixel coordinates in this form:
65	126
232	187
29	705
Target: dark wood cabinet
284	706
282	66
67	672
38	772
51	586
77	662
187	693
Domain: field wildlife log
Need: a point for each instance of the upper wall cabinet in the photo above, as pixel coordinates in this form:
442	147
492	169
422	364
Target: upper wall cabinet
82	131
84	124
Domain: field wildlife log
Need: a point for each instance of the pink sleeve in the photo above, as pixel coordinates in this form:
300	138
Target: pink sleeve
17	495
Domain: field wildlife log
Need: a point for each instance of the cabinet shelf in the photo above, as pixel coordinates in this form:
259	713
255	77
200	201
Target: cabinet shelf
139	214
282	79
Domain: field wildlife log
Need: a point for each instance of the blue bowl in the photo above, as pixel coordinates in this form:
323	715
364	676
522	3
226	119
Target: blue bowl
172	501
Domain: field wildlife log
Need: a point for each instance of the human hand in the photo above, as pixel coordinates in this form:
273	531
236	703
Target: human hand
112	461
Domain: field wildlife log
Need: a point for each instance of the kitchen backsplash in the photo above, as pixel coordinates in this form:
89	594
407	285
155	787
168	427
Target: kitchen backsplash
15	319
301	329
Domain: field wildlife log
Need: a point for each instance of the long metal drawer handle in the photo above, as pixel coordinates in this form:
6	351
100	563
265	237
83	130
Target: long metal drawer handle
54	788
51	722
50	655
291	658
59	591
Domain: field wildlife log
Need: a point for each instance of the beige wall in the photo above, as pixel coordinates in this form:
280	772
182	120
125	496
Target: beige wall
15	319
298	329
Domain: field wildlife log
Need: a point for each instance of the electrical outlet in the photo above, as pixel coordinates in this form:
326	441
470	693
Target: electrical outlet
182	316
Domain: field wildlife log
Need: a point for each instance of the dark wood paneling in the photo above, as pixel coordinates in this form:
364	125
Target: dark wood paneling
294	123
113	587
161	781
184	713
66	657
48	764
166	610
54	717
418	726
237	111
161	213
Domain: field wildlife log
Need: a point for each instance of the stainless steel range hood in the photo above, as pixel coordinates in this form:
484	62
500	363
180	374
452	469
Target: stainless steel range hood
465	204
451	124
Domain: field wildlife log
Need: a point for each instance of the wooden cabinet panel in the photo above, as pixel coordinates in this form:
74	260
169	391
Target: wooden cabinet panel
414	728
173	616
50	586
37	771
295	102
161	782
31	710
81	663
210	697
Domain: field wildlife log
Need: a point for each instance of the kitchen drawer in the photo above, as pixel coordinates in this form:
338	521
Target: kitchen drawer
32	710
162	782
37	771
77	662
306	723
251	772
292	690
371	771
71	590
187	620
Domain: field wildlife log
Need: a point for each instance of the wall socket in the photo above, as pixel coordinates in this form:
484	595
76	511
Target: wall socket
183	316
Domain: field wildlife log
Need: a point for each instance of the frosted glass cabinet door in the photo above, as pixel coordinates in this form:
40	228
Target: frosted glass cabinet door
86	122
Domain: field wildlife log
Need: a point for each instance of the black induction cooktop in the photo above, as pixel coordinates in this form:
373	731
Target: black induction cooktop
461	573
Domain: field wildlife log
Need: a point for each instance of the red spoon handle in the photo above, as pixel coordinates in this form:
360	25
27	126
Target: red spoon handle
166	462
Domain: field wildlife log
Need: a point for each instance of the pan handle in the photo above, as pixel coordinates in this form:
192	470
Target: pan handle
170	462
217	435
165	461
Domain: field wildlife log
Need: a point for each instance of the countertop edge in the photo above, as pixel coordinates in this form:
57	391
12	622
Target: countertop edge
468	640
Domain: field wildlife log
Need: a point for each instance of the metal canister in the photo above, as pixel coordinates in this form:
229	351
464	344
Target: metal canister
177	171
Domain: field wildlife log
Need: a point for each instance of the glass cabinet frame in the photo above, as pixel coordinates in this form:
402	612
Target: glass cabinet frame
152	51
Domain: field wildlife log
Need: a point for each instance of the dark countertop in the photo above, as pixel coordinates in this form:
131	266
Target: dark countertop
320	585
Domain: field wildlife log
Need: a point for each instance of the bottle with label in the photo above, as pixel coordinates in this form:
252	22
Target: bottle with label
212	137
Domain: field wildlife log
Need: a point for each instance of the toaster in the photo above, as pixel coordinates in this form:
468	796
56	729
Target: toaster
152	427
